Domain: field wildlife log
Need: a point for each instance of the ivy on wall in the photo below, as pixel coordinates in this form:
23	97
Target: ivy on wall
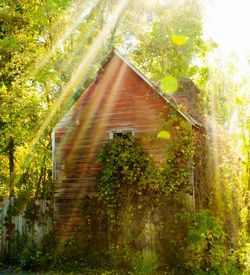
146	201
140	195
127	165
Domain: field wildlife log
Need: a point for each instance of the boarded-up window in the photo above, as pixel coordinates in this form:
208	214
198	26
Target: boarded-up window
121	132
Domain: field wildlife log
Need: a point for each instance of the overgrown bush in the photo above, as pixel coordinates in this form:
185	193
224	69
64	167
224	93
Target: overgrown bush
207	251
135	191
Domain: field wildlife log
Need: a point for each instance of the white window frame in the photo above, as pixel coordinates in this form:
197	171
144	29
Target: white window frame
121	130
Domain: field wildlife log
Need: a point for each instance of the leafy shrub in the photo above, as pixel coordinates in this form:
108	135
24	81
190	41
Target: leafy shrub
30	255
207	252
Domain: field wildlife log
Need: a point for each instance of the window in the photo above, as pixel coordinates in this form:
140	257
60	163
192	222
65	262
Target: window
121	132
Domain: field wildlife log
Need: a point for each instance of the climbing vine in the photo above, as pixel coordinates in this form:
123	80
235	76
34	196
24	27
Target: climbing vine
136	188
148	198
126	163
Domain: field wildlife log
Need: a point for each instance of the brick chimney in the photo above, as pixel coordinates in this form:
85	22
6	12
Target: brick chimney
188	96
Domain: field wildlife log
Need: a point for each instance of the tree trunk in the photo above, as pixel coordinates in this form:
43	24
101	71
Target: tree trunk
11	150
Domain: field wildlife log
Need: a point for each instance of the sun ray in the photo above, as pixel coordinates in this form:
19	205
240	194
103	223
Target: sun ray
83	11
98	129
76	78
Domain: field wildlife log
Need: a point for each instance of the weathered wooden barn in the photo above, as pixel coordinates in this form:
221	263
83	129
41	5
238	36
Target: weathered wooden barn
121	99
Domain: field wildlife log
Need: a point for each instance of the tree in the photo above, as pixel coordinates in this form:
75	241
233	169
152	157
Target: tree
171	43
21	29
38	59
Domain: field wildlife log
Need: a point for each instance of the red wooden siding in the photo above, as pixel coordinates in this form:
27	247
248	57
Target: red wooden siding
120	98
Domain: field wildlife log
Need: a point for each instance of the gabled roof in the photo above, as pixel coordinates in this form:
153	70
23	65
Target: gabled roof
170	100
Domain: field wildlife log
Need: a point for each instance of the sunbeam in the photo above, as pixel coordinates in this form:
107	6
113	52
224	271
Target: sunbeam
124	137
76	78
105	94
83	11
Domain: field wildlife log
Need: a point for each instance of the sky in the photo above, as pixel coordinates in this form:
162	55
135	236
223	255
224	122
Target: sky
227	22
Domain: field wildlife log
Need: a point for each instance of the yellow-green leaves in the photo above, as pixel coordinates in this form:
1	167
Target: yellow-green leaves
163	135
179	39
169	84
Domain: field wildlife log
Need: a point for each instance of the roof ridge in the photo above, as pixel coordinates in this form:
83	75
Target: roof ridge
170	100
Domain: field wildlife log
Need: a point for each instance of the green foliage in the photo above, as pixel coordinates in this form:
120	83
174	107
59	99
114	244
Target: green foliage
179	154
30	255
124	162
207	252
22	29
34	72
207	238
38	57
145	263
131	185
172	41
206	245
132	262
